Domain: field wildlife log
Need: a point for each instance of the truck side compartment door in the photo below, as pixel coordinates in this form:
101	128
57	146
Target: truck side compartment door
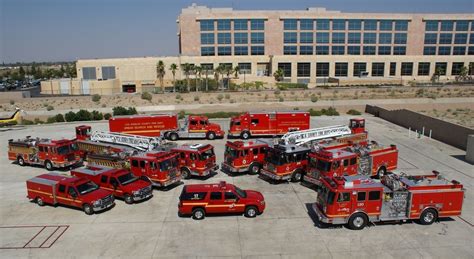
216	203
374	202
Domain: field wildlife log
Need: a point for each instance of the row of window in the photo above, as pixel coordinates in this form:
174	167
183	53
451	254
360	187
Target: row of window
448	25
238	51
89	73
238	24
239	38
342	50
342	24
341	37
447	50
447	38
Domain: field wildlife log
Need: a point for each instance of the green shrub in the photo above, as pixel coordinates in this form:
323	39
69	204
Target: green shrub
196	98
314	112
107	116
97	116
38	121
70	116
258	85
277	92
51	119
49	108
286	86
178	97
314	98
119	110
281	99
227	96
181	114
27	122
331	111
96	98
354	112
83	115
147	96
220	97
59	117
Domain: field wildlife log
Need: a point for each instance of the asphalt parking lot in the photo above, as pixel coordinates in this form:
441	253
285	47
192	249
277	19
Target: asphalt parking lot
286	229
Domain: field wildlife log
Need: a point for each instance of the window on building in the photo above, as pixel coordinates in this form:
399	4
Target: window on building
445	38
241	38
401	25
108	72
223	38
353	50
429	51
306	37
207	51
444	51
471	67
355	25
241	50
399	50
89	73
290	50
303	69
338	25
370	38
460	38
440	68
424	68
224	51
322	69
400	38
407	69
207	67
257	24
257	50
340	69
337	50
286	68
322	24
456	68
306	50
386	25
385	38
245	68
290	37
378	69
306	24
207	25
338	37
369	50
359	68
471	36
462	25
384	50
223	25
459	50
322	37
240	25
353	38
322	50
447	25
370	25
431	26
431	38
207	38
290	24
393	68
257	38
470	50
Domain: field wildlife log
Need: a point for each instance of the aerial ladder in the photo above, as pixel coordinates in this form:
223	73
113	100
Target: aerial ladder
304	137
140	143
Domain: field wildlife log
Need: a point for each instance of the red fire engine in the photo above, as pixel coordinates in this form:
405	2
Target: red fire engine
357	200
268	123
166	126
45	152
286	162
197	160
372	160
71	191
120	182
240	156
160	167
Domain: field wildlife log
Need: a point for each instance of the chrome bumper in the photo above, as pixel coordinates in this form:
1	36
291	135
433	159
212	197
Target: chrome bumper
275	176
227	168
312	180
323	218
167	183
206	172
102	206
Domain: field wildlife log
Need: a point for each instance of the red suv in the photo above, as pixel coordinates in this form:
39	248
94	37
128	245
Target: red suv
201	199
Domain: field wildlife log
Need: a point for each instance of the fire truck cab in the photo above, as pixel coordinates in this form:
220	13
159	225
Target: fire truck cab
196	160
358	200
357	125
83	132
286	162
160	167
240	156
195	126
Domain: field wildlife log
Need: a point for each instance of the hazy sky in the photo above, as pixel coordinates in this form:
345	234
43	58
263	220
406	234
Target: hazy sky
56	30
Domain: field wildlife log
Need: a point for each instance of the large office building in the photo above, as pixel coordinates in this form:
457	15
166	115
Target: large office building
310	46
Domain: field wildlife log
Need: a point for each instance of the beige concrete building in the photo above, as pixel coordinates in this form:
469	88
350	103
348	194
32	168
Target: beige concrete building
310	46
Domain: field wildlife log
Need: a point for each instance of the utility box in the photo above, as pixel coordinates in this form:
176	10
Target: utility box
470	149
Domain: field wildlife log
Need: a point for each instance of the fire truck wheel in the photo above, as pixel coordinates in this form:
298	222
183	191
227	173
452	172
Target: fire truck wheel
254	169
297	176
358	221
88	209
39	201
48	165
211	135
173	136
381	172
245	135
251	212
428	217
198	214
21	161
128	199
185	173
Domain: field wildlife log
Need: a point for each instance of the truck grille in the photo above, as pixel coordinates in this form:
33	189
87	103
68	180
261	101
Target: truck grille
315	174
71	157
270	167
145	191
107	200
172	173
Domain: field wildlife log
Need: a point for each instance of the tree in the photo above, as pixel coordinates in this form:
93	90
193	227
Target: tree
160	72
187	68
236	71
218	71
279	75
463	74
198	71
437	74
62	71
21	73
228	71
173	68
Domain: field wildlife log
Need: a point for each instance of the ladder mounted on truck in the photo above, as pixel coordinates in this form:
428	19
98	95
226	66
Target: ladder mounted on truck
307	136
140	143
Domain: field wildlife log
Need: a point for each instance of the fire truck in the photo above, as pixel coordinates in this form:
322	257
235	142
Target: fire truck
196	160
120	182
286	162
71	191
194	126
240	156
45	152
371	160
267	123
358	200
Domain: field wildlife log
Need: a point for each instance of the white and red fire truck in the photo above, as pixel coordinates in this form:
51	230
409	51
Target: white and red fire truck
358	200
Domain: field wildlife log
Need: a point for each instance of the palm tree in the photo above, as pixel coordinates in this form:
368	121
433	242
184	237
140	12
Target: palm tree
206	72
160	72
217	73
236	71
187	68
173	68
198	71
279	75
228	71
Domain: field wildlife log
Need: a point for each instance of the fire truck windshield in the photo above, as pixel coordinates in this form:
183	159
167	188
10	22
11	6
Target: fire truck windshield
126	179
168	164
275	157
74	147
326	196
87	188
206	154
323	166
231	152
240	192
63	150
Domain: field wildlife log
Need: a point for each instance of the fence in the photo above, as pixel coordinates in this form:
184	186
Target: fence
449	133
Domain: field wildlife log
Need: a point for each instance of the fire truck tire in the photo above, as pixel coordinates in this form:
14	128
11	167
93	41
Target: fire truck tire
48	165
128	198
254	169
358	221
199	213
185	173
381	172
88	209
173	136
245	135
39	201
428	216
211	135
20	161
251	212
297	176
